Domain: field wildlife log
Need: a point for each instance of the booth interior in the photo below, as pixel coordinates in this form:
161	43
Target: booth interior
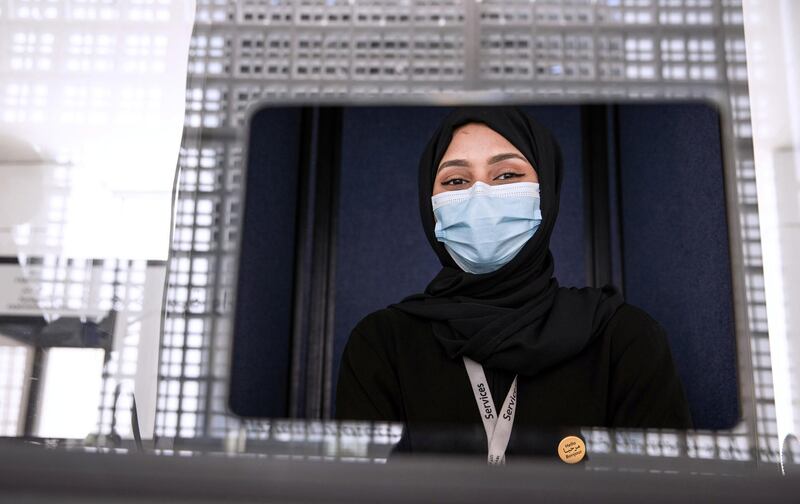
331	232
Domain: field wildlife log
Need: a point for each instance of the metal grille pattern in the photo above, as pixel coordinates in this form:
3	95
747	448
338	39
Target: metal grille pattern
242	52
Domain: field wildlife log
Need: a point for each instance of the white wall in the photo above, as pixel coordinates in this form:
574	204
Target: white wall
99	89
91	113
773	59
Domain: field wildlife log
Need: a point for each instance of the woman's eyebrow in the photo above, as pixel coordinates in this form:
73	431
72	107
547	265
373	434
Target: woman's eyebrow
453	162
502	157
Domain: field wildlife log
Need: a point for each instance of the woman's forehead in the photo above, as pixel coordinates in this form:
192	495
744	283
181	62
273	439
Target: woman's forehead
476	142
476	137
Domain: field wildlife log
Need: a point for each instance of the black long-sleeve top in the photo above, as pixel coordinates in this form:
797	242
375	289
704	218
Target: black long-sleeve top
393	369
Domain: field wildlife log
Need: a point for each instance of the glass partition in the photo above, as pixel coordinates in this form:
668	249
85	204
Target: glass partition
118	274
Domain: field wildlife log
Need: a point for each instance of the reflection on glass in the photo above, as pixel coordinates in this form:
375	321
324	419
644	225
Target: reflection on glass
70	392
15	370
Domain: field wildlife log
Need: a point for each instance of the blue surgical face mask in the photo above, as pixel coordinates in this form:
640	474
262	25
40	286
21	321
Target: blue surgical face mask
485	226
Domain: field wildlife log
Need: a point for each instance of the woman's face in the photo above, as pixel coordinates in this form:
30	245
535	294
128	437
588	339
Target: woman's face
478	153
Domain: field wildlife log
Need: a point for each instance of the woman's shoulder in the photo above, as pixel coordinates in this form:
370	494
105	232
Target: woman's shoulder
631	329
628	314
385	327
386	321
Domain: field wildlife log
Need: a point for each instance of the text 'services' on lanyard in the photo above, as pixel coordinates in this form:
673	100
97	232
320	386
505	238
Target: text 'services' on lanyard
497	424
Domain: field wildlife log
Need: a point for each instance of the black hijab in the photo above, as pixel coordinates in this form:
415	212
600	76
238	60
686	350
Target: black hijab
516	318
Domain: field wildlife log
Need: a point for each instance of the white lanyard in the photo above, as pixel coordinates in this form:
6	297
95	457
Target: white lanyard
498	428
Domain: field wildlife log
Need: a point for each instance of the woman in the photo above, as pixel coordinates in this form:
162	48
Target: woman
494	338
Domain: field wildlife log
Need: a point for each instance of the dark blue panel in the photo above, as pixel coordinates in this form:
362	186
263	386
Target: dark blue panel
382	252
676	258
262	329
567	244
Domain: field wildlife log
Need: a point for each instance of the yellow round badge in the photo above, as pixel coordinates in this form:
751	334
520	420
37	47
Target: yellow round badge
571	449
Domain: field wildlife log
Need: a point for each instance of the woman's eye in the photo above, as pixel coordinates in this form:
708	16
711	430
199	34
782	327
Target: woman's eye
508	175
455	181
